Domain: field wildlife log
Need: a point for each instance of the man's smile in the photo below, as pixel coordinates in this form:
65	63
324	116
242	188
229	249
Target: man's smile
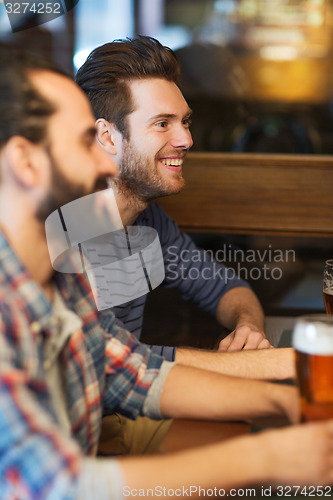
174	164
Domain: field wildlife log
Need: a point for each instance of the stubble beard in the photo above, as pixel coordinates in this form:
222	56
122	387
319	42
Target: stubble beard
139	178
62	191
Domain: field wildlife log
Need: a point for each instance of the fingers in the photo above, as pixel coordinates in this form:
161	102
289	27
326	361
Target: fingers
320	449
235	341
257	342
244	338
302	453
225	343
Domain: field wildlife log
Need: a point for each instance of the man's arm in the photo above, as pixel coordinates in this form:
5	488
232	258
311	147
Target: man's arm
239	310
190	392
300	455
281	456
194	393
209	284
259	458
269	364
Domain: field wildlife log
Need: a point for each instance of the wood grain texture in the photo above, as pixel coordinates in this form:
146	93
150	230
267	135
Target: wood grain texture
289	195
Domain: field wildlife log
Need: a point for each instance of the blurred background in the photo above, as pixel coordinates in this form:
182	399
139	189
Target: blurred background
258	75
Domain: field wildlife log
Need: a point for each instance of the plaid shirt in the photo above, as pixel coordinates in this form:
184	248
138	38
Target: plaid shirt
111	370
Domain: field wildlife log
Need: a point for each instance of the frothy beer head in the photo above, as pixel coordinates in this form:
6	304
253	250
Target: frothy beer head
314	335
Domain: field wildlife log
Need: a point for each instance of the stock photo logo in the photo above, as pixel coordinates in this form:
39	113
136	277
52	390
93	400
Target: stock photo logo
87	236
27	14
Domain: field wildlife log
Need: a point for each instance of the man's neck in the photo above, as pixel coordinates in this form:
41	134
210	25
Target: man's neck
28	241
129	207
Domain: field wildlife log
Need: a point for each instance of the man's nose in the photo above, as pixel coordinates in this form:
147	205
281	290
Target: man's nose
182	138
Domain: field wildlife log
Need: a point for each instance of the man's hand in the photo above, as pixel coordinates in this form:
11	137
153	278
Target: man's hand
245	336
240	312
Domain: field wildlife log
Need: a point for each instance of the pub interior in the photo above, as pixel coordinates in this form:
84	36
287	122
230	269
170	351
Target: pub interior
258	75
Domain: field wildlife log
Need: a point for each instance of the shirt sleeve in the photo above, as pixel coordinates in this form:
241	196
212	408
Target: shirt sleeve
35	456
151	407
168	352
193	271
131	368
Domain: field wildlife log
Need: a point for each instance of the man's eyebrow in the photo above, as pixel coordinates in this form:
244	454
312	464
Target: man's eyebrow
169	115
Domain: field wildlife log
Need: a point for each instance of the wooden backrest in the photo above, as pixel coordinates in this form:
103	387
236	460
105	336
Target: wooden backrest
255	194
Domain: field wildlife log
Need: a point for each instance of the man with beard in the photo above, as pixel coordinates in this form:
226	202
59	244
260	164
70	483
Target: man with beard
143	122
58	367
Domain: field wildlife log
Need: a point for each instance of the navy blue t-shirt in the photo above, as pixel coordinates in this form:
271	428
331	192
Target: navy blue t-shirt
191	270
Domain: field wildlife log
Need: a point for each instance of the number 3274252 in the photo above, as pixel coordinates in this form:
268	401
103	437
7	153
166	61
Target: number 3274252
34	7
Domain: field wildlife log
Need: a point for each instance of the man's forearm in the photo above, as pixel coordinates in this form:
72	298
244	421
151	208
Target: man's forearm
240	311
300	455
269	364
193	393
240	306
222	465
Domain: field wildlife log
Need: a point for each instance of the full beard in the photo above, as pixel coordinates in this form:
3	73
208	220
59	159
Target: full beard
60	193
139	178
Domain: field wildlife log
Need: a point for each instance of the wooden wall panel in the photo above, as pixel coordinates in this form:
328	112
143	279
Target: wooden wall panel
255	194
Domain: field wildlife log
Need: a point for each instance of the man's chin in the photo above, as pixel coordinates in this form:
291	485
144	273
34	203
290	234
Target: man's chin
171	190
178	186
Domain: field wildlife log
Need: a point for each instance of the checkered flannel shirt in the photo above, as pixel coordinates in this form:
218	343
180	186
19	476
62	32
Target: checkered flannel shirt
101	370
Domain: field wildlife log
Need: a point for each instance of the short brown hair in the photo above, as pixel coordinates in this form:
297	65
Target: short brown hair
23	110
105	75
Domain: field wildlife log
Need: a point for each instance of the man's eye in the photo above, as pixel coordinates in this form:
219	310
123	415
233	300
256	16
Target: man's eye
187	122
162	124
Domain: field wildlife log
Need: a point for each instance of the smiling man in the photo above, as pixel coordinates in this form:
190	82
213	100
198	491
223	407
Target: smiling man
143	122
59	368
151	159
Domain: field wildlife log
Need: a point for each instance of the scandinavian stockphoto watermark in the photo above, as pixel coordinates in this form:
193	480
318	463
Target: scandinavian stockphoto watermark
87	236
123	263
251	264
25	14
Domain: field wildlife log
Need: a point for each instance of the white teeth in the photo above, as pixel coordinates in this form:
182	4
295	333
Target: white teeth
173	162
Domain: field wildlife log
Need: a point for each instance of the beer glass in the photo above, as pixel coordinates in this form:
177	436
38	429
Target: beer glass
328	286
313	343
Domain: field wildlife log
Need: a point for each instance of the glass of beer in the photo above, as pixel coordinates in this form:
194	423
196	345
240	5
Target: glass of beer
328	286
313	343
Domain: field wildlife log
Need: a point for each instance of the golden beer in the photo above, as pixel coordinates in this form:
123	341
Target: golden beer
315	376
328	300
313	343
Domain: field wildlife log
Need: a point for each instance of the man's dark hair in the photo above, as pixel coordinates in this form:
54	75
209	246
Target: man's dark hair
23	110
105	75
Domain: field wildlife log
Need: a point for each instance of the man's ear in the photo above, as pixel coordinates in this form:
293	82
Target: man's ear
108	137
25	161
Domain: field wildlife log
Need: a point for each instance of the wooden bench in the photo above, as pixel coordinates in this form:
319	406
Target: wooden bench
289	195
